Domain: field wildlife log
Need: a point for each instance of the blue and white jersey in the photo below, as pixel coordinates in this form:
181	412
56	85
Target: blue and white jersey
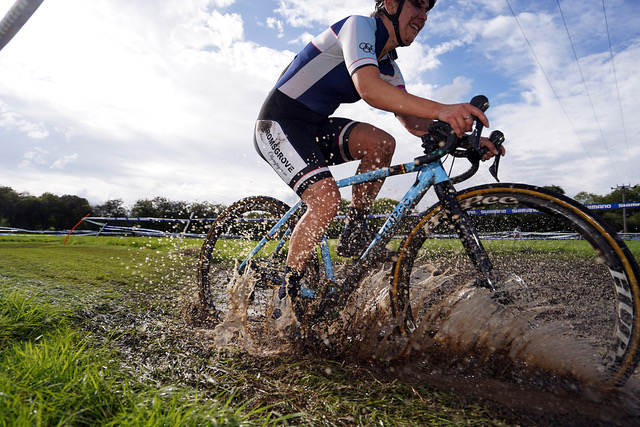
320	76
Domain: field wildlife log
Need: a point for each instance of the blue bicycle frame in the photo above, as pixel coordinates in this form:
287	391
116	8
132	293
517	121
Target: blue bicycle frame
429	174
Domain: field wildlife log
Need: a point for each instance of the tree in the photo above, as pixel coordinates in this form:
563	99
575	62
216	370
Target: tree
111	208
9	198
614	217
71	209
160	207
201	210
555	188
587	198
31	214
47	212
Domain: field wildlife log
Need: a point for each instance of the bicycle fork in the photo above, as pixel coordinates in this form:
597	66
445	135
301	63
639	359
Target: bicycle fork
467	234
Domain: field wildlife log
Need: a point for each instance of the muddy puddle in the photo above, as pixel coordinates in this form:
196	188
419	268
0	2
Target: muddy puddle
464	341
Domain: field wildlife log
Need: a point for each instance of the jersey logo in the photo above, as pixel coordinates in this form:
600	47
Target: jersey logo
366	47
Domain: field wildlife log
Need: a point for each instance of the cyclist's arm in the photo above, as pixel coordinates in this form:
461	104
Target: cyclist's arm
415	125
384	96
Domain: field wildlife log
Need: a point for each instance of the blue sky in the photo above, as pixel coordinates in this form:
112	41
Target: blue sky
135	99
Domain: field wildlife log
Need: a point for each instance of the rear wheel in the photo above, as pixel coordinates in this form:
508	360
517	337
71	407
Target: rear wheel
232	237
585	277
230	278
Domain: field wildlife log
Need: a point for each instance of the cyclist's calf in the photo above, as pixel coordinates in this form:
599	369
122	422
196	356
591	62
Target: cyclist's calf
323	201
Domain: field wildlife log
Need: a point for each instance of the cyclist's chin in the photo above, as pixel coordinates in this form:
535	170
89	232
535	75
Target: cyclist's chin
408	39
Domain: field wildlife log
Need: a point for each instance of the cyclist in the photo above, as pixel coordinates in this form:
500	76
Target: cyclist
295	133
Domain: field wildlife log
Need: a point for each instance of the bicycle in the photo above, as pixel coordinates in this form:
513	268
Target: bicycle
600	299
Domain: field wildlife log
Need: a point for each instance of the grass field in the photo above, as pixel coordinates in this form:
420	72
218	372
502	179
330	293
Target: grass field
82	323
93	333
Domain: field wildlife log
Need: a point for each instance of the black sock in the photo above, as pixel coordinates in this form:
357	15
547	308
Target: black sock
356	216
290	282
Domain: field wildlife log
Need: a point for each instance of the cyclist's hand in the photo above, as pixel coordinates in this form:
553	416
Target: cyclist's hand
491	149
460	117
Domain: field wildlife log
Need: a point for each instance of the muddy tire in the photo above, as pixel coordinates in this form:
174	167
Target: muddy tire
585	278
228	273
230	241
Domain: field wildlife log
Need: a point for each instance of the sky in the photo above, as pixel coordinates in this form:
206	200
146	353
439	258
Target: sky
134	99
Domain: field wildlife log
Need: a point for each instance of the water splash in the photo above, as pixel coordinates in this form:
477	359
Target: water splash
459	330
233	331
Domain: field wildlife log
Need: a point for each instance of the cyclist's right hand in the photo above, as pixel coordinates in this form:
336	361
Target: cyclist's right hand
461	117
491	149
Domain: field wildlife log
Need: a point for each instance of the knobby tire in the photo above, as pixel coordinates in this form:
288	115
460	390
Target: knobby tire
601	281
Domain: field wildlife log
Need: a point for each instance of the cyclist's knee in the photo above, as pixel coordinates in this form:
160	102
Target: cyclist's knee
323	198
369	141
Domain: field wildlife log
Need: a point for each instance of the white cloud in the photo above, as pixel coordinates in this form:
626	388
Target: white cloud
12	120
124	99
36	156
303	13
277	25
62	162
223	3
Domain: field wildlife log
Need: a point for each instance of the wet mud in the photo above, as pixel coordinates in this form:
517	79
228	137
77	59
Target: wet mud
529	370
533	369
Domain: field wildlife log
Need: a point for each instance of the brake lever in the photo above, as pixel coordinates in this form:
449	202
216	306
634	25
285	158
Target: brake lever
481	102
497	138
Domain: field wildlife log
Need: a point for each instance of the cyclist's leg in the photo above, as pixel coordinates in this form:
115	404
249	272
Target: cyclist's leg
289	146
343	140
323	200
374	148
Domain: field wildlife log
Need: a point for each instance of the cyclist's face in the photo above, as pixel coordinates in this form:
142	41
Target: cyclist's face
412	19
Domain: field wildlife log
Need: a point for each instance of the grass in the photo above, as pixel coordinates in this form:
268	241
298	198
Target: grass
106	267
564	248
447	247
91	333
51	374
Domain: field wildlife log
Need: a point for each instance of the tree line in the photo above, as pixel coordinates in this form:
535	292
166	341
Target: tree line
52	212
614	217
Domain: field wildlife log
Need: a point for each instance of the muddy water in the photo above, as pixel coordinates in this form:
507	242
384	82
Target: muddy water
464	339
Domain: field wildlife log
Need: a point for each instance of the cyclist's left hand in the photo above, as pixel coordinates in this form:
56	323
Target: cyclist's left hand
485	142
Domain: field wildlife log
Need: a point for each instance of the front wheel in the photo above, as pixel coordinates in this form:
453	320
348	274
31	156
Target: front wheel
577	270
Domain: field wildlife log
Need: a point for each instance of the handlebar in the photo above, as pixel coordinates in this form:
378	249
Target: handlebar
441	140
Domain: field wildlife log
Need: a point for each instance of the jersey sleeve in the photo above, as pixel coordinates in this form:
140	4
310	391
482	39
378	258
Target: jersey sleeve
357	38
390	72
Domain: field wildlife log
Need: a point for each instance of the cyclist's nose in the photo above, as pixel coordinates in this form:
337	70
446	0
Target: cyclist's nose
423	14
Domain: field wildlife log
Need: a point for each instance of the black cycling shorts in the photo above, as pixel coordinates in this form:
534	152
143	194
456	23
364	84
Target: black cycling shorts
298	143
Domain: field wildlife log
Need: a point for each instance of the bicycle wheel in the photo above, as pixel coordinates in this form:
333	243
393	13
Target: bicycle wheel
231	239
584	278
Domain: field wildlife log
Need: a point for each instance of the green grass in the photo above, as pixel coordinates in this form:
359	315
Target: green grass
445	247
90	269
565	248
51	374
92	333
